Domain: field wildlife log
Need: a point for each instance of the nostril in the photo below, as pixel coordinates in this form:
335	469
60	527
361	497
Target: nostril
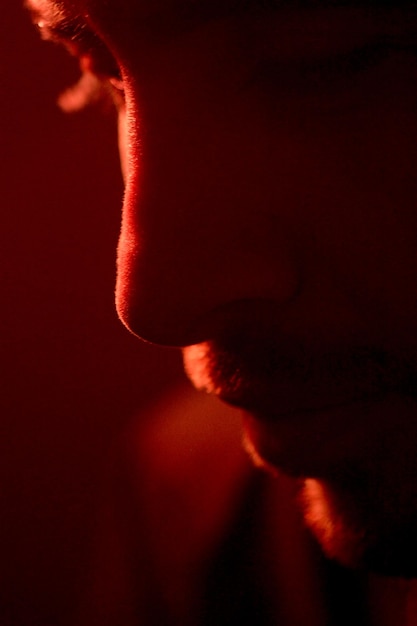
175	300
152	328
246	317
255	319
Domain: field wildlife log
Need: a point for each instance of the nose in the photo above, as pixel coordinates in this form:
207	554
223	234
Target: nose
181	259
198	230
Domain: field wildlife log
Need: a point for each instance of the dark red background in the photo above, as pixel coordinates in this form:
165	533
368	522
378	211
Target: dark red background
71	376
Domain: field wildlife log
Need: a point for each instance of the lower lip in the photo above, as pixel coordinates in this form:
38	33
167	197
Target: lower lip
314	443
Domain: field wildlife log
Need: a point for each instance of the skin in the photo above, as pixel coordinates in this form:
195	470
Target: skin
269	229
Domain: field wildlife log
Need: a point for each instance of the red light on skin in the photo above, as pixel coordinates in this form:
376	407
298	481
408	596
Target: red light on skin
339	540
46	14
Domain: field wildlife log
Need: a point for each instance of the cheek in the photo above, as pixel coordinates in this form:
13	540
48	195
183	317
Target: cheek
355	206
372	229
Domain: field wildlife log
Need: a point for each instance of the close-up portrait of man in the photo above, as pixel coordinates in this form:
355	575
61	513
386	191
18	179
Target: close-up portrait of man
269	235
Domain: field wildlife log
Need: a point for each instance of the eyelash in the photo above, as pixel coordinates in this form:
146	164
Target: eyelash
100	82
329	72
90	90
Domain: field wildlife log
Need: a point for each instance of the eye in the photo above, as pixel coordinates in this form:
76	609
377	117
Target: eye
325	69
346	66
326	74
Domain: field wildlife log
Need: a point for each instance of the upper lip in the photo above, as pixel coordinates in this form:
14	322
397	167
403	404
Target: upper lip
250	364
261	379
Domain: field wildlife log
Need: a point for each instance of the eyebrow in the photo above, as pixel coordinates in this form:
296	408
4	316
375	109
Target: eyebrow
60	20
60	11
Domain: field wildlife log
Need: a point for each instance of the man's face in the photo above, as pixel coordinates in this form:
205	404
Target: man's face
269	228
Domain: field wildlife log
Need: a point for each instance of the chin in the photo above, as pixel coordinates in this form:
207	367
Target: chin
362	506
346	433
357	537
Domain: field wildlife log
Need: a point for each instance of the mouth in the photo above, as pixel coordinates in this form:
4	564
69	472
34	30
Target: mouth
303	412
278	385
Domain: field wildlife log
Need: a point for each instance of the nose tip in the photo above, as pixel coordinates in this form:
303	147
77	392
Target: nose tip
151	321
152	299
178	300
